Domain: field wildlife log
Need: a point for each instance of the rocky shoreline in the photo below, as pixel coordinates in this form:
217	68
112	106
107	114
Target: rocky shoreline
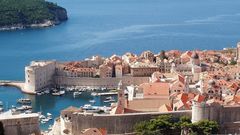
47	23
59	15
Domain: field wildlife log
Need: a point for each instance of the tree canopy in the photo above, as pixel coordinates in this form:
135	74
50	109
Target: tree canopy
169	125
13	12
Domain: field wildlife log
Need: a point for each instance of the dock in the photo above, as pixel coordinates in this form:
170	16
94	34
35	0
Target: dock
107	94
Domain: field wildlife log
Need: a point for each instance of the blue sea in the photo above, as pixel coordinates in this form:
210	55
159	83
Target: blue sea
106	27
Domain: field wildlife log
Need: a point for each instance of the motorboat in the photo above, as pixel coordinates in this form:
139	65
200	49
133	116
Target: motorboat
92	101
24	101
47	91
56	94
109	99
94	94
23	108
90	109
62	92
1	103
28	111
76	93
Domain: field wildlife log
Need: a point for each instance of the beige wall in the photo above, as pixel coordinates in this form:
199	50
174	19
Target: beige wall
101	82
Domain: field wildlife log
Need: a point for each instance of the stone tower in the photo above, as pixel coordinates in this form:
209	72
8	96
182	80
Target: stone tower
121	96
238	54
201	111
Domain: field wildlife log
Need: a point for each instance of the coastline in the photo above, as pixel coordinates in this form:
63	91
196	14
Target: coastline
47	23
17	84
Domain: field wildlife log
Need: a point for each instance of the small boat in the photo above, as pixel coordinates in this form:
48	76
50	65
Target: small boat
92	101
49	114
28	112
1	103
50	127
56	94
42	116
40	93
43	122
62	92
76	93
24	101
109	99
23	108
94	94
47	91
90	109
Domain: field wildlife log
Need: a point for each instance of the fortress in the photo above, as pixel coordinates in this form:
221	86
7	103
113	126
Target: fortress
42	74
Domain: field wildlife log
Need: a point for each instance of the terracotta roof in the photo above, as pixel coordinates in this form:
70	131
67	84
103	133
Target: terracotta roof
199	98
155	89
165	108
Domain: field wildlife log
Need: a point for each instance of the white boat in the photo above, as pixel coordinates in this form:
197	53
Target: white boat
94	94
24	101
47	91
109	99
45	120
90	109
49	114
23	108
39	93
92	101
62	92
56	94
28	111
76	93
1	103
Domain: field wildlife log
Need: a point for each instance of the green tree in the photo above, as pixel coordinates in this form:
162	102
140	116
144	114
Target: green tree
169	125
205	127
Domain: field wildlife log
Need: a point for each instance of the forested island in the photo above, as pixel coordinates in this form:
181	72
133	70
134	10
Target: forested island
20	14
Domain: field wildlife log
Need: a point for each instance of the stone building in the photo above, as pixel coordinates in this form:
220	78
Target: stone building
238	53
140	69
105	71
39	74
148	55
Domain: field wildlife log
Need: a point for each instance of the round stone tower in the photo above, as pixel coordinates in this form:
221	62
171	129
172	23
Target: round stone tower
201	111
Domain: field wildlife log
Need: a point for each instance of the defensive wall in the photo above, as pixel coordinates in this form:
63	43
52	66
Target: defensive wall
100	82
115	124
20	124
227	116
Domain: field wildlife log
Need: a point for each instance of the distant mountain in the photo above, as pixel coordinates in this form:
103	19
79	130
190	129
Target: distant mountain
19	14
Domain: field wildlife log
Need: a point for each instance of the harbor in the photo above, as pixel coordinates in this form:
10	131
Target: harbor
48	104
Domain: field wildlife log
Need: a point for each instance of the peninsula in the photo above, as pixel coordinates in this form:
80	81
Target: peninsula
20	14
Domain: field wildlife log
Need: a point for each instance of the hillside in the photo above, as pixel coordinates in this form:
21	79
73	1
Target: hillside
16	14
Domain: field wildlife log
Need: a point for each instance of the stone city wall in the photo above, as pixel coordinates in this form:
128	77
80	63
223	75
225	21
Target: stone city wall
115	124
100	82
21	126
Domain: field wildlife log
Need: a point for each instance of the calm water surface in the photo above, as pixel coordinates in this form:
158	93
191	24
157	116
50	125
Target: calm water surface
105	27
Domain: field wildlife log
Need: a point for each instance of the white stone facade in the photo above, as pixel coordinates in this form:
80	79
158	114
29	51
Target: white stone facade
38	75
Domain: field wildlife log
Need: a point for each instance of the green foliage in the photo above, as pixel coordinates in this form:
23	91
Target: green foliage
14	12
205	127
169	125
233	62
163	55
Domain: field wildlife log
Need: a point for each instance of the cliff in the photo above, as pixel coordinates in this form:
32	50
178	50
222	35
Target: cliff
19	14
